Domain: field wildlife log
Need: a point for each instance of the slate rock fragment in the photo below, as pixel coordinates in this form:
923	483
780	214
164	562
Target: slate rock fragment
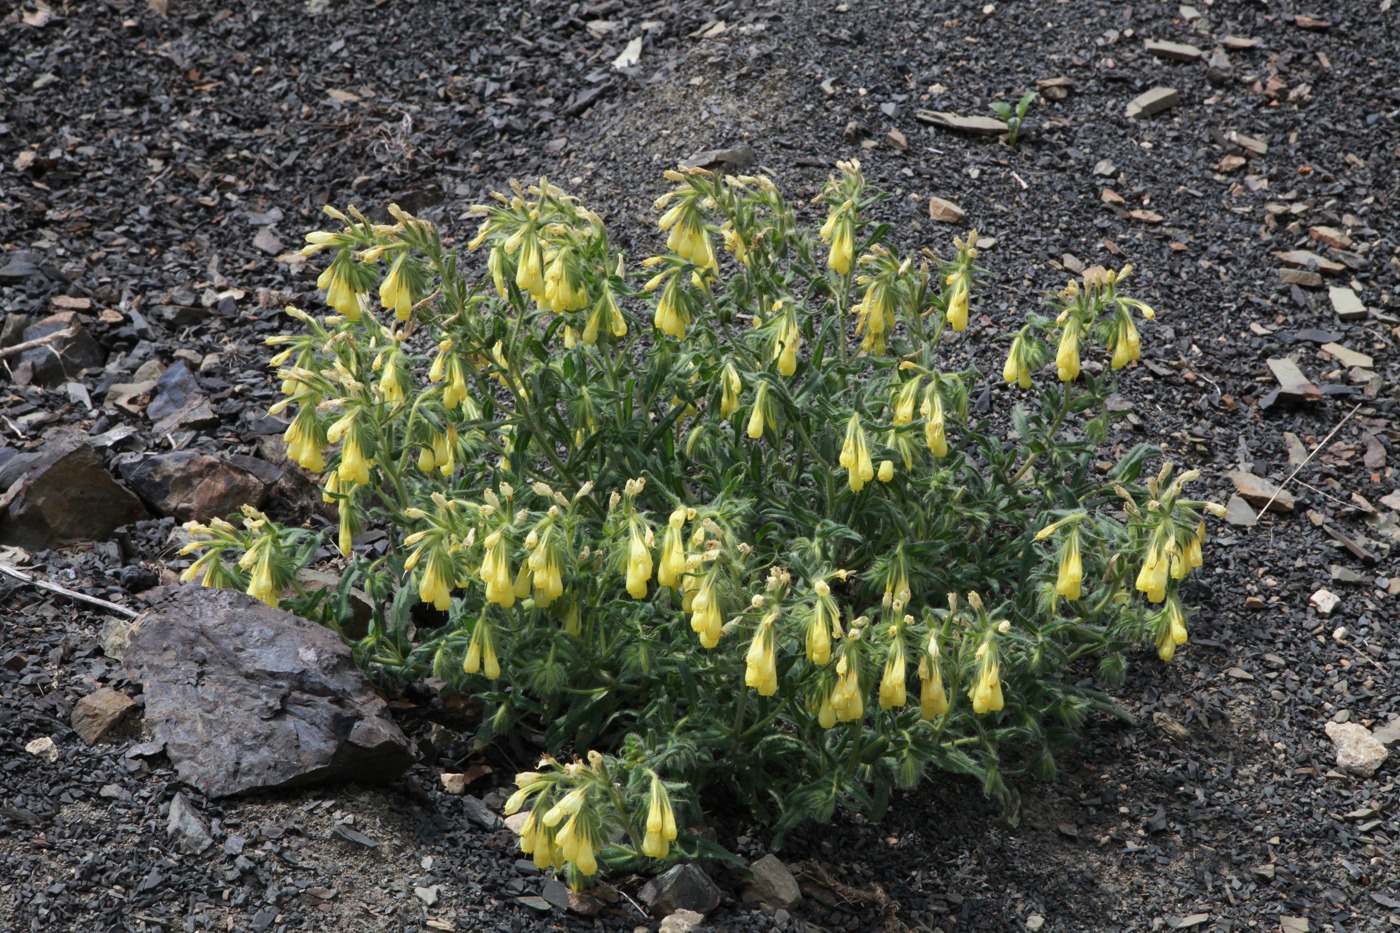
248	697
65	497
192	486
97	714
65	358
682	887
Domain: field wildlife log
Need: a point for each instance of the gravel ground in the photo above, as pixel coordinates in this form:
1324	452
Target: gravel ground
147	158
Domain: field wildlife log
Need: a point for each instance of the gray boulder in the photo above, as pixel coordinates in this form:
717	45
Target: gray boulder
247	697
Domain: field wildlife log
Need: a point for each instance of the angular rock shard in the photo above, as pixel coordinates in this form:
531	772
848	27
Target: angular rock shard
192	486
247	697
64	497
1152	102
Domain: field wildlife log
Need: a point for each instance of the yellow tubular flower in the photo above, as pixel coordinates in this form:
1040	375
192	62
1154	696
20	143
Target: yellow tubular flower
394	291
935	427
661	822
819	626
892	683
886	472
1067	356
758	418
847	699
985	691
876	311
340	294
761	663
672	315
855	456
904	401
354	468
304	437
705	619
839	231
672	564
639	563
529	270
729	388
789	338
434	580
496	265
1017	370
1152	578
564	288
347	528
1071	573
495	571
957	302
261	586
933	699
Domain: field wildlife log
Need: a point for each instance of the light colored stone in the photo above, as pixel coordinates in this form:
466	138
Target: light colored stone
43	748
1306	259
682	921
1358	752
975	126
187	826
454	784
1346	304
1153	102
1325	602
1173	51
1348	357
1258	491
945	211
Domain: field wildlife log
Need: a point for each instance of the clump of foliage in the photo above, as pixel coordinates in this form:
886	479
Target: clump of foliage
693	527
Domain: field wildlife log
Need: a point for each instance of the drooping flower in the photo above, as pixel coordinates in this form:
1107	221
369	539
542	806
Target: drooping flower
1070	576
760	664
1152	578
639	562
933	699
1067	356
395	291
661	828
1017	369
495	571
730	386
957	300
855	456
935	425
985	691
672	563
305	437
892	683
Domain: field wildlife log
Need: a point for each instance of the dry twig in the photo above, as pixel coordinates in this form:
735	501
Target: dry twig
64	591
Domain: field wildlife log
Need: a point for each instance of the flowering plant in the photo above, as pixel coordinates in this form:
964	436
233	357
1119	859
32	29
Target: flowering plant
695	520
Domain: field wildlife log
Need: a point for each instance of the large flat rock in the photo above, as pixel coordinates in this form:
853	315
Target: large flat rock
247	697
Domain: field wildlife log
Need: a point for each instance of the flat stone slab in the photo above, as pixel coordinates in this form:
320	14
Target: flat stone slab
1152	102
1305	259
247	697
1348	357
1258	492
1347	304
1173	51
974	126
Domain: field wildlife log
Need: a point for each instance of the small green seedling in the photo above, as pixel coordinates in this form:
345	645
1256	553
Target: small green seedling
1014	117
